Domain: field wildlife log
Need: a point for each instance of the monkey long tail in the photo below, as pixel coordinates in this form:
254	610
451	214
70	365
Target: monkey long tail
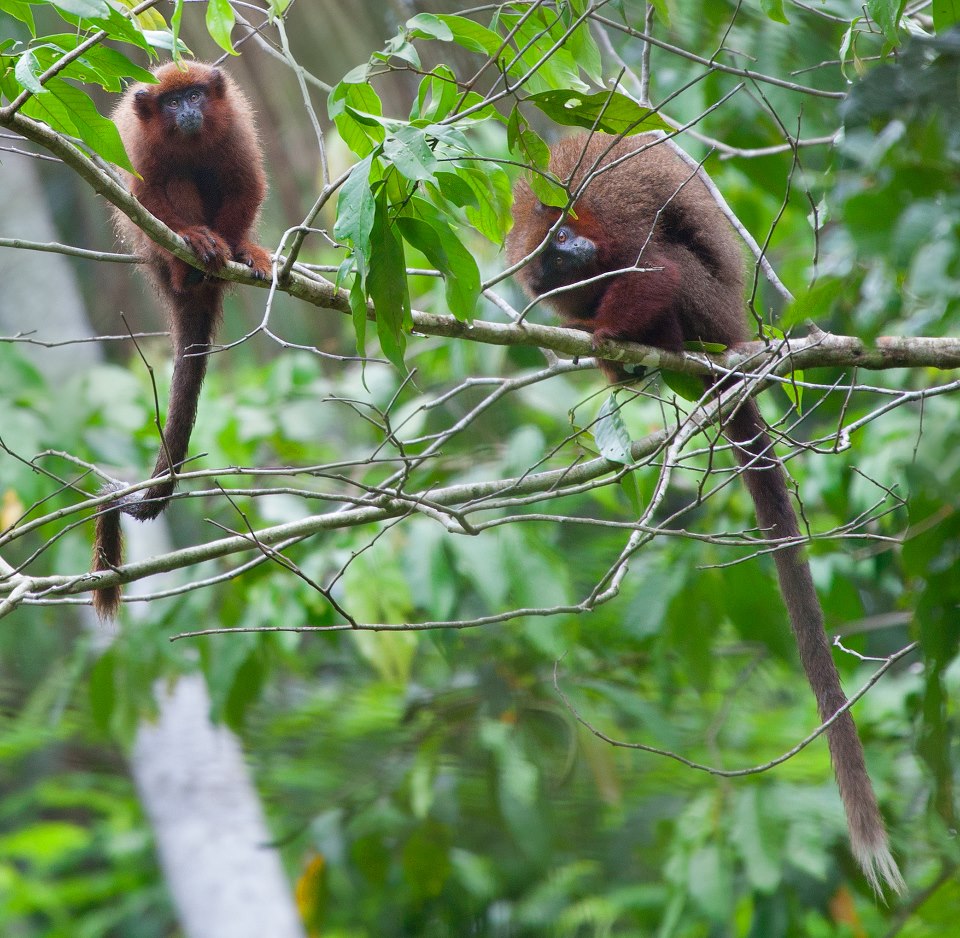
766	482
195	317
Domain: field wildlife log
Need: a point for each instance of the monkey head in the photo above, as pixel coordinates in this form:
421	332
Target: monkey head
185	106
572	253
568	258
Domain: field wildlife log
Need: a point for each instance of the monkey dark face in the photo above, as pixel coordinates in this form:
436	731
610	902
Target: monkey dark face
568	258
180	111
185	109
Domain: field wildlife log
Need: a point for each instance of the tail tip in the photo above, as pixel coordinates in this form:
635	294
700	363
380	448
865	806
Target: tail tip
106	602
879	867
107	555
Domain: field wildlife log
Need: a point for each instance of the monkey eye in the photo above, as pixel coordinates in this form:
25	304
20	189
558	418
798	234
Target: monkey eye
173	102
195	96
562	235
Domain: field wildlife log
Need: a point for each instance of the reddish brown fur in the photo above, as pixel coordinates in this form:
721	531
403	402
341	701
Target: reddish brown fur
206	184
646	208
622	218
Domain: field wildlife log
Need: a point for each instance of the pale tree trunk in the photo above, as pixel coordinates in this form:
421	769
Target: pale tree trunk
224	878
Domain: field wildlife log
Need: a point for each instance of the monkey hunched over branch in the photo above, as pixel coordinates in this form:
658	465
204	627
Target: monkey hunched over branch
192	140
638	205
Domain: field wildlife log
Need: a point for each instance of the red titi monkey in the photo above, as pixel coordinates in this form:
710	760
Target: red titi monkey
642	207
191	138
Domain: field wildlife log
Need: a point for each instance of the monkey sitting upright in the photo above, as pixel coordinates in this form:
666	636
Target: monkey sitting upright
639	209
191	138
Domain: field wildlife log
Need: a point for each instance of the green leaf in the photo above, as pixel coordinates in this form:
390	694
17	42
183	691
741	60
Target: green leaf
20	10
27	72
774	11
220	21
400	48
711	348
518	786
526	144
471	35
886	14
711	882
792	387
106	63
687	386
437	95
117	26
69	110
360	313
410	153
82	69
45	843
429	26
88	9
548	191
543	60
610	112
150	18
754	606
480	108
756	840
583	47
426	860
386	284
630	486
437	240
610	433
165	39
355	210
345	100
103	690
490	185
245	689
663	11
357	75
945	14
455	189
817	303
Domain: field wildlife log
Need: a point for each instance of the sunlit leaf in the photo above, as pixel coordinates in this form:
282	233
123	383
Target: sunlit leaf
610	432
20	10
89	9
429	26
610	112
344	101
28	71
471	35
220	20
437	95
70	111
355	208
151	18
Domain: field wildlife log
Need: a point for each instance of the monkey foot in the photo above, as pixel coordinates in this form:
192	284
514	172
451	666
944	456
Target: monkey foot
254	257
208	246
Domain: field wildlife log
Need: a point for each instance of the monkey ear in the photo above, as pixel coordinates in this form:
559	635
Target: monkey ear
216	83
143	104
